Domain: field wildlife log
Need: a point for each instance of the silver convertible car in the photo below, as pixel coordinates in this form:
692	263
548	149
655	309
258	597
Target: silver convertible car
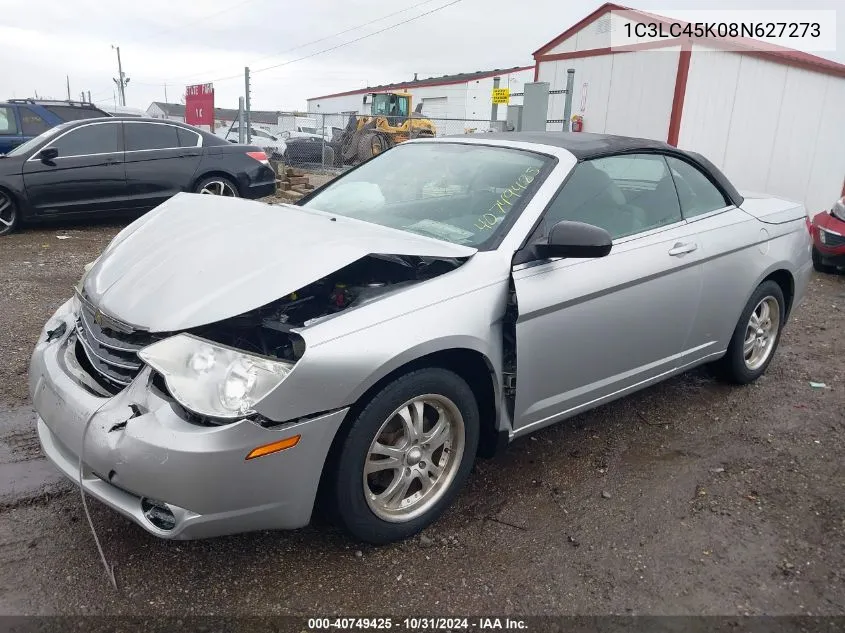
229	365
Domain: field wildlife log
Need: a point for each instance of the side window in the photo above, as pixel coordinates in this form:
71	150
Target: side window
141	136
89	139
622	194
187	138
31	123
75	113
697	194
7	121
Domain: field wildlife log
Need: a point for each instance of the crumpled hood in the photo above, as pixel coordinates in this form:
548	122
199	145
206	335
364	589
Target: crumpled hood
199	259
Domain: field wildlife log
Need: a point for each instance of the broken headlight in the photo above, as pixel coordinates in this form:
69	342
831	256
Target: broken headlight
211	379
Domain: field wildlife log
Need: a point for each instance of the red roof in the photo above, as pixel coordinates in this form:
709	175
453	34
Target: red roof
445	80
758	48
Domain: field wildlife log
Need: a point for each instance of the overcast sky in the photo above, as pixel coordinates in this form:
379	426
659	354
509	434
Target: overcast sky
173	43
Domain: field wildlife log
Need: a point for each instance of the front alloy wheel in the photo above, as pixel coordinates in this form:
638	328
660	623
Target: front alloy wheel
400	460
414	458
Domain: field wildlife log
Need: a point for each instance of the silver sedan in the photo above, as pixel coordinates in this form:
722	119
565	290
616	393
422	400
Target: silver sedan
227	365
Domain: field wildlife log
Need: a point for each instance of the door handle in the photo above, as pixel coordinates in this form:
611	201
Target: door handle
680	248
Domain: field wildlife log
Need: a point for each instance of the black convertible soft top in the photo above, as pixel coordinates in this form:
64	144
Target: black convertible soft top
585	146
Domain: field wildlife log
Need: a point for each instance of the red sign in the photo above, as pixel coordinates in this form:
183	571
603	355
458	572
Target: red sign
199	104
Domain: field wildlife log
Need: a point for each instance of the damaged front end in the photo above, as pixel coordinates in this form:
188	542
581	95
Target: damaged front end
259	346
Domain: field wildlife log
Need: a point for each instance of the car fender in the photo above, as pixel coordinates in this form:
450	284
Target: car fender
412	356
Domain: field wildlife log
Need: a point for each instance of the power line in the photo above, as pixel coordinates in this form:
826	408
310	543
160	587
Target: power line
195	20
333	48
338	34
358	39
322	39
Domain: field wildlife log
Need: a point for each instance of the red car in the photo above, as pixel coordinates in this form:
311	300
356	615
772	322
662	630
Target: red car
828	231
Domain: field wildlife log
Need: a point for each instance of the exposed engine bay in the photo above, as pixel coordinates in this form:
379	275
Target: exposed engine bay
268	330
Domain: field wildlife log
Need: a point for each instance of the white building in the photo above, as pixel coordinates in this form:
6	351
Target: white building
223	117
772	120
465	97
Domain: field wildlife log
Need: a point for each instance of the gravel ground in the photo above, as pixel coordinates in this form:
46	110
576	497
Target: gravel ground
691	497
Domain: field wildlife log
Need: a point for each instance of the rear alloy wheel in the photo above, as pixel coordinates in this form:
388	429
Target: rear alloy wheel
405	456
756	336
8	213
217	186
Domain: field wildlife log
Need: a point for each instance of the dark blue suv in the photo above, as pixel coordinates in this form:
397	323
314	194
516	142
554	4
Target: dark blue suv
22	119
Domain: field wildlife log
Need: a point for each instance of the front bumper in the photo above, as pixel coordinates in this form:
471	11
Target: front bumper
139	446
831	259
829	239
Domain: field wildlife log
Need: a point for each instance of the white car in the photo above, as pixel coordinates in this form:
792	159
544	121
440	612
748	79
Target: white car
304	131
273	145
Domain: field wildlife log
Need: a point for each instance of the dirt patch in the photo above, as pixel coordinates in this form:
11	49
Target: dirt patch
38	269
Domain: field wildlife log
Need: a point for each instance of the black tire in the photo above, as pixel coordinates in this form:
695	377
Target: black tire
732	366
819	264
9	213
371	144
210	183
345	493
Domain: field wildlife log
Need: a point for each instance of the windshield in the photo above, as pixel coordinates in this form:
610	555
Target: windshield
24	148
459	193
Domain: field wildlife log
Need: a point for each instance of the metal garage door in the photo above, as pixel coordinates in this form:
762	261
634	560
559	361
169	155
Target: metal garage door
435	108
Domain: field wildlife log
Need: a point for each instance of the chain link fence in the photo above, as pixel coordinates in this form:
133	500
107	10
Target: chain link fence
331	143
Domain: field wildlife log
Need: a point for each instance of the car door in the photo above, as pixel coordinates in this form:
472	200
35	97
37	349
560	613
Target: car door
86	176
731	243
161	160
589	330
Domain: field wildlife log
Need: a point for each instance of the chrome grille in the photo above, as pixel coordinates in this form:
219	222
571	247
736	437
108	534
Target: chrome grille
112	354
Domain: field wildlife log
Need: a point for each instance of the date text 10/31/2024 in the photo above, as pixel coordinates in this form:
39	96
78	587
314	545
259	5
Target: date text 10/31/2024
418	624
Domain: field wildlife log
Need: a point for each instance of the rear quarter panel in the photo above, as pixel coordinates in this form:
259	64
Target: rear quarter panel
740	251
253	178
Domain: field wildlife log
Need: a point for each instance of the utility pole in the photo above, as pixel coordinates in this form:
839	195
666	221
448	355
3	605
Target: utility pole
68	86
123	79
494	111
241	137
246	105
82	96
89	97
165	94
567	104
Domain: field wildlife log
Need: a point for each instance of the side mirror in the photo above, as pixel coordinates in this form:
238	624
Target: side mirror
285	135
48	153
575	239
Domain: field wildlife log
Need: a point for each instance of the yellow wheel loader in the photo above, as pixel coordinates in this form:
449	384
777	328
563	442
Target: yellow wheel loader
390	122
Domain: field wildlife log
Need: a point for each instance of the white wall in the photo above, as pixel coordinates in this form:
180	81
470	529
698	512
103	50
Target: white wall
626	93
469	100
596	34
770	127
